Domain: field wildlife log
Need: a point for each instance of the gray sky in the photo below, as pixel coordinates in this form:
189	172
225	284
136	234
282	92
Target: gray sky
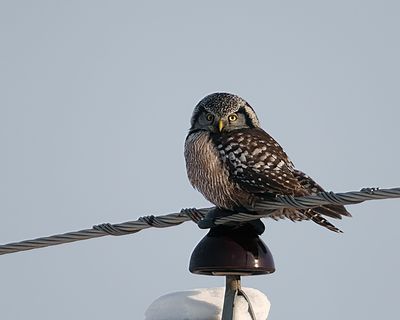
95	104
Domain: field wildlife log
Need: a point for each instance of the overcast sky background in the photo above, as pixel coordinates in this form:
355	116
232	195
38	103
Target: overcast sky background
95	103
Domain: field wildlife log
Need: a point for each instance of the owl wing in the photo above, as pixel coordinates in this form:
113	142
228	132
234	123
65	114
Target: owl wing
258	164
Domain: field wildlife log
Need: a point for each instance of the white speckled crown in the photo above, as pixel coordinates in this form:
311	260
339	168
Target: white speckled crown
223	104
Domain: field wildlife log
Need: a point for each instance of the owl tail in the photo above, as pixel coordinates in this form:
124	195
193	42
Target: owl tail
333	211
330	210
315	214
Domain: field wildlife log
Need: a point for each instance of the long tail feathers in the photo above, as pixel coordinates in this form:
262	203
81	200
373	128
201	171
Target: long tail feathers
333	211
317	218
330	210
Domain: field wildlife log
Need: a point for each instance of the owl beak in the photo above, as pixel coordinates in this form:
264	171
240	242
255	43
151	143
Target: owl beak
220	125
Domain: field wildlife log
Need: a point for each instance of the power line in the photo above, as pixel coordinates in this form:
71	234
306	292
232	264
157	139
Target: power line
196	215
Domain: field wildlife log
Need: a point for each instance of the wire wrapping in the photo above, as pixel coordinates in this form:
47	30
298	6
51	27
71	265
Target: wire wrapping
263	209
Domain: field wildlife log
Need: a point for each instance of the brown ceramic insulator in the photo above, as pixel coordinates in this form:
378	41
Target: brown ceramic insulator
231	251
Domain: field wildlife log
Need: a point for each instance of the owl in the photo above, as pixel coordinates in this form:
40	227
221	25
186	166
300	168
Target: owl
234	163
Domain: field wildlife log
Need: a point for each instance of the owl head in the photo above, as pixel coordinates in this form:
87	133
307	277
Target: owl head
223	112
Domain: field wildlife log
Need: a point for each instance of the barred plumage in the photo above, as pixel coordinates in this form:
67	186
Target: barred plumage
234	163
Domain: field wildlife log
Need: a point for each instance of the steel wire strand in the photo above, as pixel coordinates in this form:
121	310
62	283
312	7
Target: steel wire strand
264	209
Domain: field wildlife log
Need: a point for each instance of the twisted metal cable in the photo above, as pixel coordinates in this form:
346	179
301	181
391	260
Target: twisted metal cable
264	208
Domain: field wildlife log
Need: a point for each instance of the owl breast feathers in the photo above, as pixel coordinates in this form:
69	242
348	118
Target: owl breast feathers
234	163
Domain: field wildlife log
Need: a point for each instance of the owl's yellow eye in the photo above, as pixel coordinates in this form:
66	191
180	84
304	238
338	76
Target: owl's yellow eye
209	117
232	117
